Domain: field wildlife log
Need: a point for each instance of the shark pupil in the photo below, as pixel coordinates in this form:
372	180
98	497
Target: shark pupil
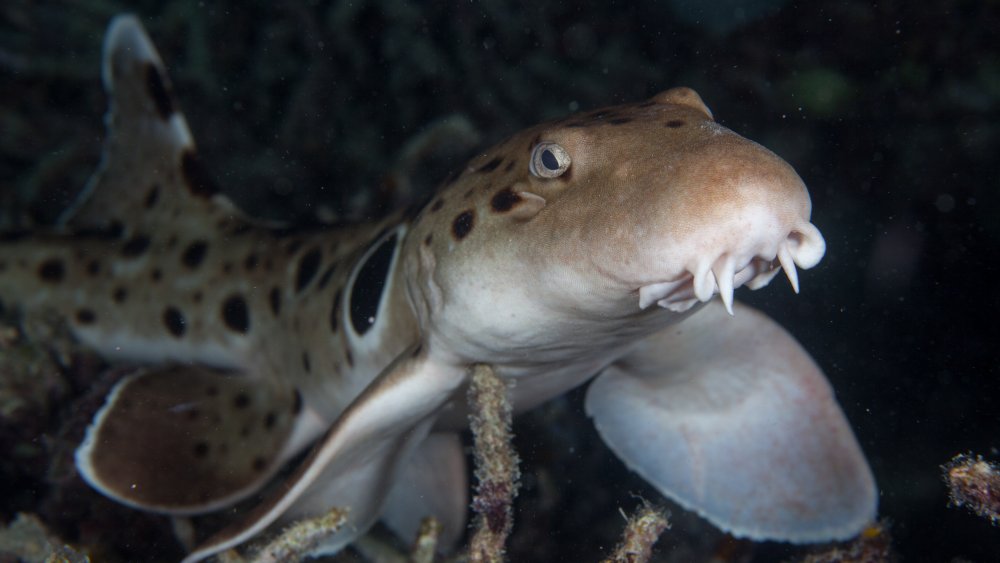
549	160
369	285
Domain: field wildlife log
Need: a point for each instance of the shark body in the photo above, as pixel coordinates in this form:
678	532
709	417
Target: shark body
588	248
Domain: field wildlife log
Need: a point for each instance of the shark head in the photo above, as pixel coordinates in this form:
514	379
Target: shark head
598	217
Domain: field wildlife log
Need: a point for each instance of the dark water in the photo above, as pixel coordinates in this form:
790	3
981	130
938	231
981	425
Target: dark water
889	111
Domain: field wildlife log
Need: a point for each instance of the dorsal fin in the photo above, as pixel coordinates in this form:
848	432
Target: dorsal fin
149	171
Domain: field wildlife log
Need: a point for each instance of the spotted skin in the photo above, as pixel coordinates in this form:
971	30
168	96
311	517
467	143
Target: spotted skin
258	340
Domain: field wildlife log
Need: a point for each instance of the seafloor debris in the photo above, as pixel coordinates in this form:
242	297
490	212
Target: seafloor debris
641	532
975	484
873	545
26	539
496	466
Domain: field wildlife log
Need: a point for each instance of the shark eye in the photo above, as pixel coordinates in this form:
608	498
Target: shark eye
549	160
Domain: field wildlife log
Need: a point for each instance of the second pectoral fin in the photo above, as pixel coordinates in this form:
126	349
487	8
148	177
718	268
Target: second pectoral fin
353	466
186	439
732	419
432	483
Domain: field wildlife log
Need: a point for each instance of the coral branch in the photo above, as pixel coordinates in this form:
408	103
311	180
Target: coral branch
873	545
426	542
496	466
297	541
975	484
641	532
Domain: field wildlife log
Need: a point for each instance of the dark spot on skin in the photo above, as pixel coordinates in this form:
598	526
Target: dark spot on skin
156	275
463	223
491	165
227	267
308	266
335	312
245	431
259	464
270	420
306	362
241	400
152	196
349	358
172	242
157	90
194	254
534	142
85	316
510	166
437	205
173	319
274	298
428	239
135	246
235	314
200	450
505	200
120	294
212	391
192	414
250	263
675	123
196	297
52	270
297	403
620	120
198	180
369	285
467	194
417	350
93	267
327	275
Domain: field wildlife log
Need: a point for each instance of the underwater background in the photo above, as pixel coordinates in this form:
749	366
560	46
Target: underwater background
307	110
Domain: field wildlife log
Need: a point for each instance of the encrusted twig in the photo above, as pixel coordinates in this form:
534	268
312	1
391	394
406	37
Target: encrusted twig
975	484
27	539
496	466
641	532
873	545
298	540
425	545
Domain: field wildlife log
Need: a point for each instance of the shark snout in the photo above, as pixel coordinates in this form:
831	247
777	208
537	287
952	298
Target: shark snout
740	223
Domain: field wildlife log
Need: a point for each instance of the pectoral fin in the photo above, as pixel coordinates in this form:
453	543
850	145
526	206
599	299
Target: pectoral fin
432	483
731	418
354	465
187	439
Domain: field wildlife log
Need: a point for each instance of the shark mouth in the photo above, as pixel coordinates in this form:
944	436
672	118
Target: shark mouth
722	276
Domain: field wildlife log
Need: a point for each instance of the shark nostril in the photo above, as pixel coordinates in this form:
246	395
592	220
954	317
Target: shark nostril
805	245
